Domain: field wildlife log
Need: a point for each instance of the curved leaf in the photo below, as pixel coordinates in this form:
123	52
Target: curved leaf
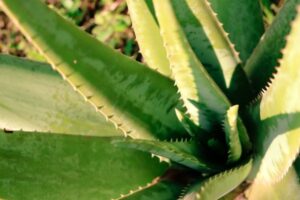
148	36
34	98
243	21
232	134
193	81
51	166
219	185
168	187
286	188
189	125
183	152
263	62
136	99
213	48
277	131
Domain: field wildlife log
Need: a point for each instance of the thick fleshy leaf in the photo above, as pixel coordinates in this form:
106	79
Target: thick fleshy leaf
263	62
168	187
51	166
243	20
35	98
211	45
135	98
151	8
219	185
186	153
189	125
276	146
287	188
162	190
194	83
232	135
147	33
277	116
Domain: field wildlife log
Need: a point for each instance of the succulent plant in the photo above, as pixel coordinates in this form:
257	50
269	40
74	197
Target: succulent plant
213	113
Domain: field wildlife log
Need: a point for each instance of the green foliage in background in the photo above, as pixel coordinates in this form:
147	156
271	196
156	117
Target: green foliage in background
213	113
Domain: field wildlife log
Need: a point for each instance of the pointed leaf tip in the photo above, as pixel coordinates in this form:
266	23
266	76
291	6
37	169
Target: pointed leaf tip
191	78
232	134
277	141
219	185
262	63
147	33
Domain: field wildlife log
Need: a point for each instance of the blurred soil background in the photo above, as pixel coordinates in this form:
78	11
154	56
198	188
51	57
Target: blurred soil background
107	20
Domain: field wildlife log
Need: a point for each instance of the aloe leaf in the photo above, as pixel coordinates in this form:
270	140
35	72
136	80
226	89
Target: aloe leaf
136	99
219	185
262	64
277	125
189	125
169	186
151	8
193	81
52	166
158	189
147	33
232	134
276	146
34	98
286	188
213	48
183	152
243	21
162	190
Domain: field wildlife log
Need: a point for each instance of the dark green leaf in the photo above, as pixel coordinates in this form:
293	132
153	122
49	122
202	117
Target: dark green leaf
262	64
211	45
51	166
242	19
135	98
186	153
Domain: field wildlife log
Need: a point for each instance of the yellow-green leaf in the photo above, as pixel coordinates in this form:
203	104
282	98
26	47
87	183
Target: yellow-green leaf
35	98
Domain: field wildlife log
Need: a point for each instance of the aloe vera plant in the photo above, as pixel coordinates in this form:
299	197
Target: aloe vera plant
215	107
